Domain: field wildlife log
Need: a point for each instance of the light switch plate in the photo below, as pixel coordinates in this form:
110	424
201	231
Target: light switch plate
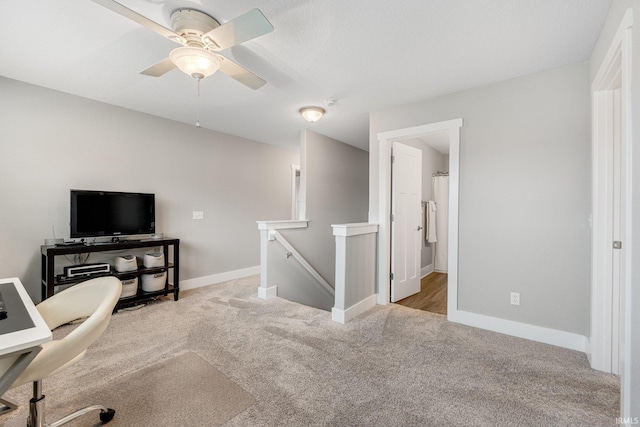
515	298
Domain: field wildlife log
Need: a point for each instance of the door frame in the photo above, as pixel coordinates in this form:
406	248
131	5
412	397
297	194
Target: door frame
385	140
615	66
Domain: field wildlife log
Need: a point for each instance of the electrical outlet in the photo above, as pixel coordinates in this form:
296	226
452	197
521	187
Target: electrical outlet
198	215
515	298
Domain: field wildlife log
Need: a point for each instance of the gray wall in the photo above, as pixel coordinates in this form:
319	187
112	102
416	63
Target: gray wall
524	194
294	282
617	11
52	142
432	162
336	190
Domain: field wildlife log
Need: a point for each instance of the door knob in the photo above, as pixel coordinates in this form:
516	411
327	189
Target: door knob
419	227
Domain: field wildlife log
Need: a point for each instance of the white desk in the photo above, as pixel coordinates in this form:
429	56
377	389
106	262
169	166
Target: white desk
22	345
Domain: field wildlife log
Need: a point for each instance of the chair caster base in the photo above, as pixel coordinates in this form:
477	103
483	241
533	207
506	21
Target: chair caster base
106	416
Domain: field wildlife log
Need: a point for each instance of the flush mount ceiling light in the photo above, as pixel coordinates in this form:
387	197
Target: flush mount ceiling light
312	114
196	62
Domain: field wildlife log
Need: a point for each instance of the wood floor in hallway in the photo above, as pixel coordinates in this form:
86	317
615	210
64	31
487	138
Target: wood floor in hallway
432	296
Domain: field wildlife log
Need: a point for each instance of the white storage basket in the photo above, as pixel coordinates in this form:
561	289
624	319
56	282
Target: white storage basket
129	287
126	263
154	282
153	259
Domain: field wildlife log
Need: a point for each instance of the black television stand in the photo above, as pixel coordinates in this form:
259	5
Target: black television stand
171	258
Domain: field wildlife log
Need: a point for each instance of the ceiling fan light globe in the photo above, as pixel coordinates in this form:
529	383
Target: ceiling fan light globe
196	62
312	114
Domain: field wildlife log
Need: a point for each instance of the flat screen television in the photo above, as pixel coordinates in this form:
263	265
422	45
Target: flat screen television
111	213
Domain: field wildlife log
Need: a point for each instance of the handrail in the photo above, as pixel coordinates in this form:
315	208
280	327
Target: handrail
283	224
291	251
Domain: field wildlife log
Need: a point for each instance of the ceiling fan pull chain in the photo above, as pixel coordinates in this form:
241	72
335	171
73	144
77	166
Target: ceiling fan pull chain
198	106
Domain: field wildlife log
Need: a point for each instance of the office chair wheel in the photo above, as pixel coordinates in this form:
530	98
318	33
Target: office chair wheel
107	415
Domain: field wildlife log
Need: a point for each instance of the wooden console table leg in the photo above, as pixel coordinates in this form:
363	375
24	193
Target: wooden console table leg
50	276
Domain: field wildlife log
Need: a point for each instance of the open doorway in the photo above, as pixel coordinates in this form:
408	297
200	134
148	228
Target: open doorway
451	129
432	295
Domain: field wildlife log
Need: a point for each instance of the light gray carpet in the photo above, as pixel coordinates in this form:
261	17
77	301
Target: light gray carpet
392	366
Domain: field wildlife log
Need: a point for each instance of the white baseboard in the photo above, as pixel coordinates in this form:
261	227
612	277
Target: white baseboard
522	330
426	270
199	282
343	316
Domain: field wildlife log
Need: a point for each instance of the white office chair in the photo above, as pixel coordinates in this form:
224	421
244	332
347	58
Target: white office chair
94	300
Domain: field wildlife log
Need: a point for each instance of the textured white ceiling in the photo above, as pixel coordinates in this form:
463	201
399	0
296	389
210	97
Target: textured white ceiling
367	54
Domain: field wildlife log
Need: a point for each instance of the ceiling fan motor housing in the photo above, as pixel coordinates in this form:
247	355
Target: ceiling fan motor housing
191	24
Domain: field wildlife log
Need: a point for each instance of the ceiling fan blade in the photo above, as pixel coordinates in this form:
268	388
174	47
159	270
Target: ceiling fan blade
240	74
160	68
142	20
245	27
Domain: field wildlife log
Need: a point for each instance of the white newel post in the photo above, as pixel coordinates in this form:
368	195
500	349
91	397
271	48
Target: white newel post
341	275
264	290
355	281
267	289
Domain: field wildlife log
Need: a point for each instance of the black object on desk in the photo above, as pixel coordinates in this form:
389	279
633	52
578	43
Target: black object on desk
17	317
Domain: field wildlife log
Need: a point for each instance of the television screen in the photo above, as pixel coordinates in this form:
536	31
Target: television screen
110	213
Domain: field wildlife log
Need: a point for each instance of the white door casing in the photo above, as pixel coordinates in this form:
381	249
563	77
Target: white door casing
611	187
381	217
406	224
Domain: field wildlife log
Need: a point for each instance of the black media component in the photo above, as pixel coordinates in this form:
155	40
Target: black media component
3	308
70	244
111	213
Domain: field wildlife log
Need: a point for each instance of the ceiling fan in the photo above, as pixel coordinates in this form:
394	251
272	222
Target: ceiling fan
201	37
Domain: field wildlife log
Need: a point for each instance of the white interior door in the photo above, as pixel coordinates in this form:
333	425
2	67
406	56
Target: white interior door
609	231
406	224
